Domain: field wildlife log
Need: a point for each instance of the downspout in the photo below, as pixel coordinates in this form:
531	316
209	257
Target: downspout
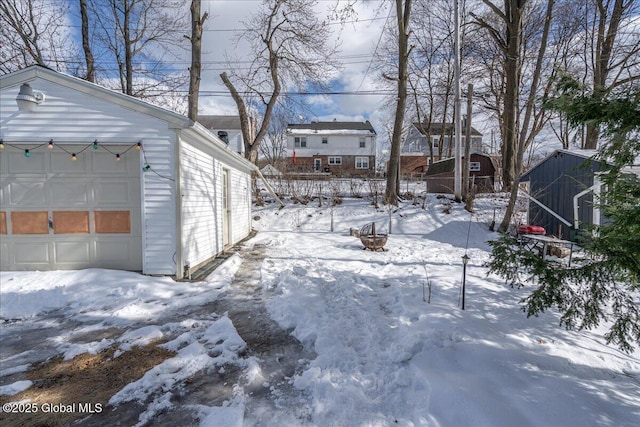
576	207
177	170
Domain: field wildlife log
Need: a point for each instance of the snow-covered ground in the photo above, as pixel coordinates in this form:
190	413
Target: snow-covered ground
385	355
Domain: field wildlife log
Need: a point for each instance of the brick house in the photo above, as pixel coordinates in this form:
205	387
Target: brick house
336	148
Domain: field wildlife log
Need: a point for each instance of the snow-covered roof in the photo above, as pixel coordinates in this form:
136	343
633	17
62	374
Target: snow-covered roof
332	128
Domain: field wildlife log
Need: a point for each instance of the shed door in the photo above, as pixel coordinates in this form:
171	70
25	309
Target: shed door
56	213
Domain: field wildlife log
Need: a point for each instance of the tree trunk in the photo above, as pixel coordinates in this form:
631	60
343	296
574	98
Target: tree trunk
512	89
605	40
393	169
86	47
197	23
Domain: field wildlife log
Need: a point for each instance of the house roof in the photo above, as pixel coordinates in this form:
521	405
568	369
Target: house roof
174	119
333	126
220	122
436	128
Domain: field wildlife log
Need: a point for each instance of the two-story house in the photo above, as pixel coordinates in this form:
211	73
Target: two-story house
339	148
426	143
227	128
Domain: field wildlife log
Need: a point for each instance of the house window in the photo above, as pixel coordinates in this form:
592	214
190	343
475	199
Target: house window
300	141
335	160
436	142
474	166
363	143
325	140
362	163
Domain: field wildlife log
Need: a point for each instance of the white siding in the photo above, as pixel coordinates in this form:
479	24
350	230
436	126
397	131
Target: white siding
199	200
202	210
71	116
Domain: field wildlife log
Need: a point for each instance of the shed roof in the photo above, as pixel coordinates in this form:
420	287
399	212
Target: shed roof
436	128
585	154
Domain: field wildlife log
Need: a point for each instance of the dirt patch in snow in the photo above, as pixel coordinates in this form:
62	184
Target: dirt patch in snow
64	391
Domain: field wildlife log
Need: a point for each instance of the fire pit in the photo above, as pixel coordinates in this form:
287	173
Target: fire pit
372	240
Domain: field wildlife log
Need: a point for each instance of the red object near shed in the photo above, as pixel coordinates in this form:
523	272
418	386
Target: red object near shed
531	229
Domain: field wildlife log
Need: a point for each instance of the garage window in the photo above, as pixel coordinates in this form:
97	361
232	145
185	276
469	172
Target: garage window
112	221
71	222
36	222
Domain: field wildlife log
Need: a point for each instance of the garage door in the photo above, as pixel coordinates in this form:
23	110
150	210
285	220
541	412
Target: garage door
59	213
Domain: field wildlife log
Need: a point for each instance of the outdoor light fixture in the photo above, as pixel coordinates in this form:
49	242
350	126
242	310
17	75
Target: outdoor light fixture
465	260
28	99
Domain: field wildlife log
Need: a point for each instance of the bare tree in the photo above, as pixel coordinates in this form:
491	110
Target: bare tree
289	49
140	35
614	57
403	14
32	32
518	127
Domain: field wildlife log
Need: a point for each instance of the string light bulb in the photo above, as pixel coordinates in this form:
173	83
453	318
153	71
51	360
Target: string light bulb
1	144
117	157
27	153
50	145
146	168
73	157
138	146
95	144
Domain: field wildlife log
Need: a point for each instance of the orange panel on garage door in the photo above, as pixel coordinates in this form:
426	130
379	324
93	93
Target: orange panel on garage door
28	222
71	222
3	222
112	221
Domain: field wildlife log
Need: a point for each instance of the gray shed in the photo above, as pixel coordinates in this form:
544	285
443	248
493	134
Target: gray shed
561	192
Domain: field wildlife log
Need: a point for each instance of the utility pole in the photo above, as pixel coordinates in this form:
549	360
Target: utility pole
467	143
457	185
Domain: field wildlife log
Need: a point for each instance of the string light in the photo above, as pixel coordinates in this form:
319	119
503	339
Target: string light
138	146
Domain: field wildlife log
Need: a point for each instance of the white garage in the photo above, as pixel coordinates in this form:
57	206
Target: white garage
94	178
